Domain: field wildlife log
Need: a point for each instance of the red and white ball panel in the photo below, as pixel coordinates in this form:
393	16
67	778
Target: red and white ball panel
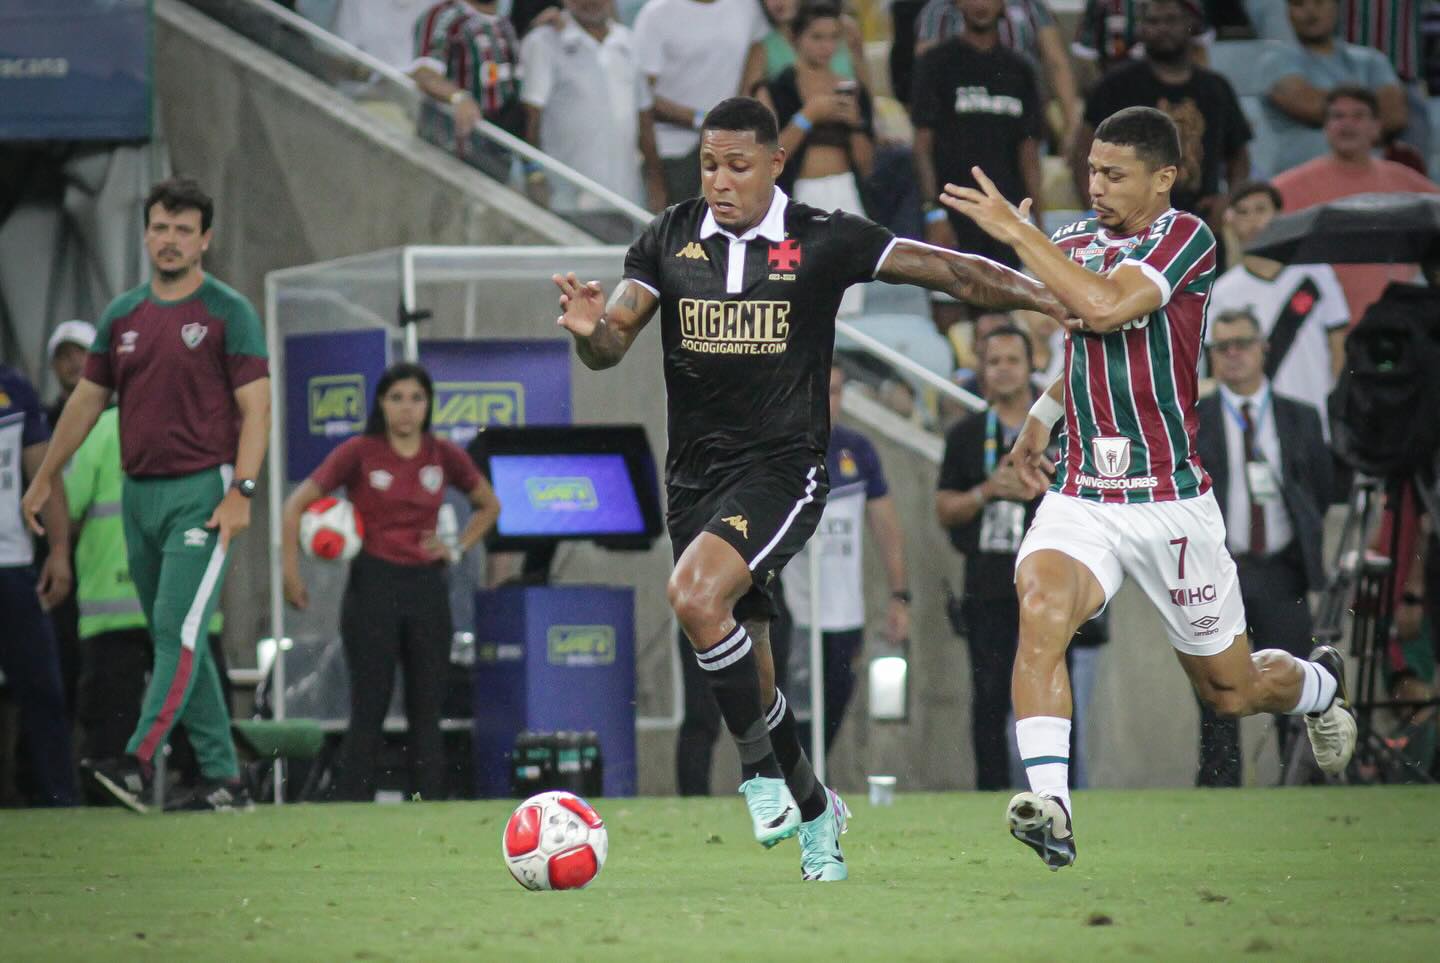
331	529
554	840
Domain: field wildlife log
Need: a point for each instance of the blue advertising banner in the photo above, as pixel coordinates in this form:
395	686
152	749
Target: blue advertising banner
328	382
497	382
75	69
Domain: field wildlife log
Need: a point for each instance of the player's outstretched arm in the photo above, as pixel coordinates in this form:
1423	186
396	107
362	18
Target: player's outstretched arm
967	277
603	332
1102	302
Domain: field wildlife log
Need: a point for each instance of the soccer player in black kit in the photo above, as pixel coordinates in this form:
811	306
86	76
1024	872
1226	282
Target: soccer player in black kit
747	283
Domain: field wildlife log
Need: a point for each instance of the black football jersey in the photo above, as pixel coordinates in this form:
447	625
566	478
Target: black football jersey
748	328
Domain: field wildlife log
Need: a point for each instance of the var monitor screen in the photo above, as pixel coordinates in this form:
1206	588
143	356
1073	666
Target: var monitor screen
593	482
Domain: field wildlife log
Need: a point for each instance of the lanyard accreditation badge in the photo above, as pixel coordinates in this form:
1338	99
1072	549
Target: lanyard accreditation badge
1003	523
1260	477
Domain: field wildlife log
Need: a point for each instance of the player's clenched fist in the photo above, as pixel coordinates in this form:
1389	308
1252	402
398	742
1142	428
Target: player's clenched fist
582	305
1028	457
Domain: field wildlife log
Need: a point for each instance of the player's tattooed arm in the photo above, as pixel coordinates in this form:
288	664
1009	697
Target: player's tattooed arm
603	334
969	278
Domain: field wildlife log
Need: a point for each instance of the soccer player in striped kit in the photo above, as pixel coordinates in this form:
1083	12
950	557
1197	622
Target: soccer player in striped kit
1131	497
186	354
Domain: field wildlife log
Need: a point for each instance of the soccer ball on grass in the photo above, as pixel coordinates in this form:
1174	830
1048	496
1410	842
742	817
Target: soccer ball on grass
554	840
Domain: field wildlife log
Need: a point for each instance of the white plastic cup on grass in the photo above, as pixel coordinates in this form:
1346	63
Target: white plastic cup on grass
882	790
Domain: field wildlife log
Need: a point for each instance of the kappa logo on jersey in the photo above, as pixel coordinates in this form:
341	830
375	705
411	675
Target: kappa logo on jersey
432	477
195	537
192	334
127	342
1112	455
380	480
785	256
734	327
739	523
693	251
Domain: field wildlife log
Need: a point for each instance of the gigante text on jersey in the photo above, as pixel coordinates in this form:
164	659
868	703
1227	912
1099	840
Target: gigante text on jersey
734	327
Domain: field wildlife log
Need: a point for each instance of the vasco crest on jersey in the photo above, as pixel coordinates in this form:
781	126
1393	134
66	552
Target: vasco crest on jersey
784	259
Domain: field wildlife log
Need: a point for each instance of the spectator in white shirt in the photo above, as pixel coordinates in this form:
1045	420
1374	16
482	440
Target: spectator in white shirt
693	52
588	104
1300	308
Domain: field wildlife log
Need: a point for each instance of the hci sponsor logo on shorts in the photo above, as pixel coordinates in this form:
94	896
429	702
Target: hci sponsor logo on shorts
572	493
462	408
1201	595
580	645
337	404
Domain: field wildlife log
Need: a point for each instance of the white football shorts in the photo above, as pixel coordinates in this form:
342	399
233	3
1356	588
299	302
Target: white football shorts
1175	551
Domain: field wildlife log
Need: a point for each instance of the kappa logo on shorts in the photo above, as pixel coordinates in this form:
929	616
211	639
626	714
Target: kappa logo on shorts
693	251
192	334
432	478
1112	455
196	537
739	523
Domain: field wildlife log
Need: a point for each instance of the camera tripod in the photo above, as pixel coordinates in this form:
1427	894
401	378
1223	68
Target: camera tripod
1363	586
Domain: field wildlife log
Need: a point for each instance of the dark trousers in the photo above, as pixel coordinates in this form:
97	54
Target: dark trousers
113	669
394	614
841	649
1273	590
682	176
30	660
994	635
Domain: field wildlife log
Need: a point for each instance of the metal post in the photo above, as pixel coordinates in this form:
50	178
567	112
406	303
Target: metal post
407	301
817	663
275	347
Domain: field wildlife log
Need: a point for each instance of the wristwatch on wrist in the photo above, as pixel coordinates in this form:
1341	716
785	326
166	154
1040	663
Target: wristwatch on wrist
245	486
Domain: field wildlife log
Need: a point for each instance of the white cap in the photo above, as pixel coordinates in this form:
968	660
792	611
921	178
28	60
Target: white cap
71	332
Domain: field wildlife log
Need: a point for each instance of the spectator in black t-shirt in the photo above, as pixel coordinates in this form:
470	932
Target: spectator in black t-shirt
1203	105
975	102
981	501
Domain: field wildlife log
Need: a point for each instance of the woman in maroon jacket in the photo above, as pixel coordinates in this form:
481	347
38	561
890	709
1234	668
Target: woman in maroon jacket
396	606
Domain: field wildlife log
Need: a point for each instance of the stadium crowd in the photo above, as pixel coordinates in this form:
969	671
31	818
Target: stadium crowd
1329	99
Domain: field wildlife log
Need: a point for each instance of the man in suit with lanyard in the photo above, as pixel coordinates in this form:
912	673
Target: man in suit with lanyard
1272	474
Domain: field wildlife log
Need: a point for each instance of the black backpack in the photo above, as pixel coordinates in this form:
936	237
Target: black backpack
1385	409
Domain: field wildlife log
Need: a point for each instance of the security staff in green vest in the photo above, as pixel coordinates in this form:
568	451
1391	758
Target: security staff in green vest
116	651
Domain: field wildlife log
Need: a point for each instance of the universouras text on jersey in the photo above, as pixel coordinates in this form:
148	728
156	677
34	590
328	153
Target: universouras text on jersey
734	327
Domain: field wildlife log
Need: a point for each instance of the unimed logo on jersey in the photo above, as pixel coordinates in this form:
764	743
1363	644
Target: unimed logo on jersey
570	493
734	327
462	408
337	404
580	645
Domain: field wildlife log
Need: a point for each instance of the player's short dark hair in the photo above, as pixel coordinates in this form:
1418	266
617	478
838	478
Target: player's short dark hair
1238	314
741	114
1012	331
1365	95
400	371
1251	188
810	12
1151	132
177	194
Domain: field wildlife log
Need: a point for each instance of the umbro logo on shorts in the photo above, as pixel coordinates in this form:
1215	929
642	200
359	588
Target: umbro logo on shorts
693	251
739	523
196	537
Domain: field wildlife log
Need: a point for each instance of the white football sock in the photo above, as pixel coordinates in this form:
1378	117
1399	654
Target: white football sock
1044	743
1318	691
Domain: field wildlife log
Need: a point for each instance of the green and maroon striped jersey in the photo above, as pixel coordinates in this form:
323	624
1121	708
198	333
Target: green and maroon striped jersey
474	50
1390	26
175	366
1130	394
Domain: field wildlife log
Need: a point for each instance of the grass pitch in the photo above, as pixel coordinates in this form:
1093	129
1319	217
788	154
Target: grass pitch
1315	874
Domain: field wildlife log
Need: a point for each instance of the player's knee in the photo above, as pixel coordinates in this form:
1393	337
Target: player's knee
696	603
1044	616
